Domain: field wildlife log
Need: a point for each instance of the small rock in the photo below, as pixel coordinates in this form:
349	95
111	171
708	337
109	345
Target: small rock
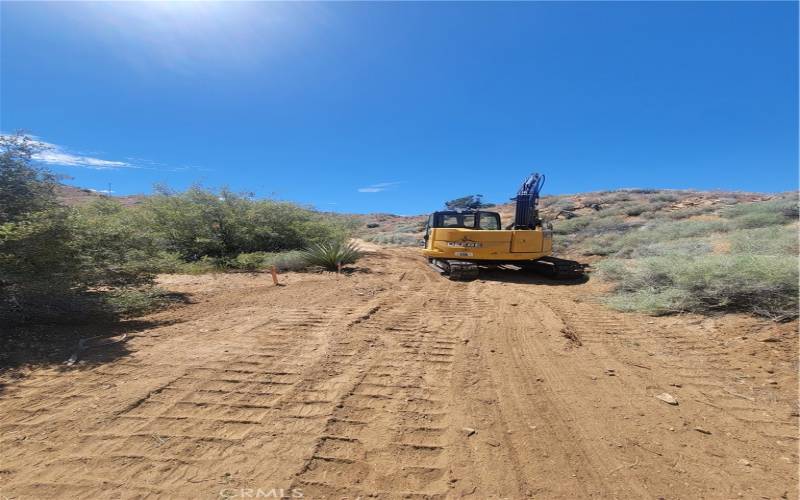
672	429
744	462
701	430
667	398
492	442
468	430
772	382
676	385
513	304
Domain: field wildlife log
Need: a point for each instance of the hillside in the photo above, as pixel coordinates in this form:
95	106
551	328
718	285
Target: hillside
661	251
632	205
665	251
73	196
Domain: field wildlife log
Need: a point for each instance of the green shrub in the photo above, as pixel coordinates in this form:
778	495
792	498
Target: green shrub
331	254
774	240
283	261
758	284
684	229
637	209
759	219
686	213
570	226
763	213
686	246
223	224
664	197
25	188
394	239
128	302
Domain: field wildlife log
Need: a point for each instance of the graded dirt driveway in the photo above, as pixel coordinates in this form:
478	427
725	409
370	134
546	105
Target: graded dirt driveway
394	382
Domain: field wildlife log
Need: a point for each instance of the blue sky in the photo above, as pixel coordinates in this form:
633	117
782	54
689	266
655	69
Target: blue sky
396	107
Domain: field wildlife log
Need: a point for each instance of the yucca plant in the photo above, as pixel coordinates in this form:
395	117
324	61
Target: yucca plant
330	254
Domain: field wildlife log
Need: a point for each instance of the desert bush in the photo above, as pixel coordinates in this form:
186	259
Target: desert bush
671	230
757	284
412	227
132	301
557	204
686	213
637	209
758	219
685	246
765	213
331	254
774	240
570	226
396	239
664	197
607	226
609	212
283	261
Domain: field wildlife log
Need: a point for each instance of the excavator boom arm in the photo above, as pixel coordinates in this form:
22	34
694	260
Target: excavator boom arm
526	215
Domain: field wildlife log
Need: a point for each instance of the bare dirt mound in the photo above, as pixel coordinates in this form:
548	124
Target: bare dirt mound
396	383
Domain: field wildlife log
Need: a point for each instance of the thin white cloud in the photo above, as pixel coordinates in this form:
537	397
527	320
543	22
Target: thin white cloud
377	188
53	154
56	156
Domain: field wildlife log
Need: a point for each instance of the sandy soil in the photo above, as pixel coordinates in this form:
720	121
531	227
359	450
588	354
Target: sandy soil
393	382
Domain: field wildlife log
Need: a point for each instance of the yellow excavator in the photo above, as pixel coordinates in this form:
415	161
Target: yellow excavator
458	243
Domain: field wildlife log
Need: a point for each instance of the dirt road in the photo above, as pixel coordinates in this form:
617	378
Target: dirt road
396	383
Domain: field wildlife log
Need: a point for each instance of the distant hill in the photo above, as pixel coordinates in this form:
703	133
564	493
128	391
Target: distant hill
634	206
73	196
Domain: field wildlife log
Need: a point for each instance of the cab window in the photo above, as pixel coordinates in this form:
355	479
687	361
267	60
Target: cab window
450	221
468	220
489	221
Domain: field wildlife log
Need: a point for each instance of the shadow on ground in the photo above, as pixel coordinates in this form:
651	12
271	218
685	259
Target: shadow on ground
51	346
527	277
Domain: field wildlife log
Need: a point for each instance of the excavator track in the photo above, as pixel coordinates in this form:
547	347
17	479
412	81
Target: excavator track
556	268
456	270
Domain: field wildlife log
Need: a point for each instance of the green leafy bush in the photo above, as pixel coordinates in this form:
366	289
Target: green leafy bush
331	254
201	222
